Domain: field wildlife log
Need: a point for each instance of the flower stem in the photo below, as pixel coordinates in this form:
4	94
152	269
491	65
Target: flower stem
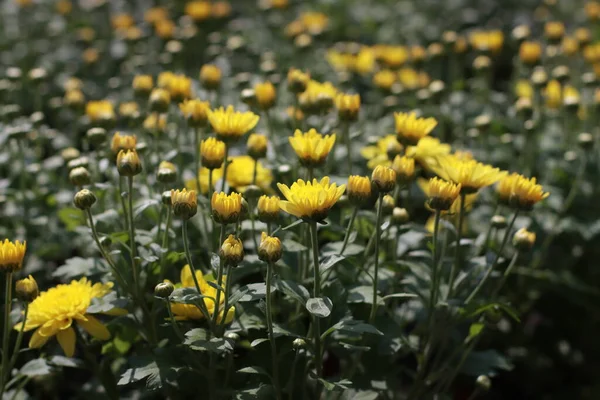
346	133
123	205
165	241
219	281
188	255
316	294
227	295
270	267
434	272
132	234
376	272
457	258
225	165
254	172
507	272
348	229
498	255
15	353
198	133
173	321
6	331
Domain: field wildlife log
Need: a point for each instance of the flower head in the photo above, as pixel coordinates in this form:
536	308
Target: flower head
100	111
269	249
268	208
265	95
385	79
487	40
179	87
411	129
520	192
240	174
318	97
385	149
190	311
212	153
142	84
442	194
524	239
310	201
311	147
553	94
232	251
167	172
210	76
384	178
160	98
554	30
198	10
122	142
359	189
404	167
195	111
348	106
229	124
27	289
128	163
427	150
257	146
155	123
54	311
530	52
297	80
226	208
470	174
184	203
11	255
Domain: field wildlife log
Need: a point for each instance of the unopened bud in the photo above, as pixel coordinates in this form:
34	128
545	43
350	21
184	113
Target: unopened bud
79	176
26	289
163	290
523	239
84	199
483	382
128	163
400	216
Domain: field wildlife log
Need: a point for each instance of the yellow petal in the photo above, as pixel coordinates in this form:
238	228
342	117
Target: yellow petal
116	312
66	339
94	327
37	340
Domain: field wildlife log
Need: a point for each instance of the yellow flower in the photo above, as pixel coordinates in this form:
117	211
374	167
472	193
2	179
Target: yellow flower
100	111
570	46
155	122
318	97
190	311
310	201
297	80
592	10
128	163
441	194
159	99
268	208
232	251
221	9
165	29
384	178
198	10
411	129
129	109
179	87
311	147
184	203
554	30
570	96
521	192
212	153
226	208
11	255
379	154
348	106
523	89
265	94
314	22
505	186
257	146
384	79
523	239
230	125
487	40
392	56
553	94
470	174
27	289
404	167
195	111
155	14
269	249
240	170
530	52
210	76
122	21
409	78
142	84
54	311
359	189
122	142
418	54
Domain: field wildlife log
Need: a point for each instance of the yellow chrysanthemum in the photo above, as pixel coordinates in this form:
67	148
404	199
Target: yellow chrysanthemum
11	255
265	94
411	129
100	110
530	52
122	142
212	153
553	94
54	311
226	208
310	201
520	192
470	174
441	194
314	22
198	10
379	154
318	97
311	147
487	40
348	106
453	213
268	208
195	111
385	79
523	89
229	124
359	189
240	170
190	311
427	150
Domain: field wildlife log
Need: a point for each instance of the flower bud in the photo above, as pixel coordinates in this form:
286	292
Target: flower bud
404	168
442	194
159	100
69	154
297	80
167	172
268	208
384	178
265	95
26	289
210	76
269	249
299	344
79	176
163	290
226	208
483	382
257	146
585	141
96	136
524	240
128	163
142	84
394	148
387	207
165	198
184	203
499	222
348	106
212	153
359	189
84	199
232	251
400	216
78	162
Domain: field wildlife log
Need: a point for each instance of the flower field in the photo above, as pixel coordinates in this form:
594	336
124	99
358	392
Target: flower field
284	199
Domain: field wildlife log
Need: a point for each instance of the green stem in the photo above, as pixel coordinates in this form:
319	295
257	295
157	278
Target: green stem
160	219
498	255
225	165
198	133
219	281
507	272
252	218
290	384
15	353
270	267
173	321
165	243
457	258
348	230
434	274
346	133
123	205
188	254
376	269
254	171
6	331
134	270
316	294
227	295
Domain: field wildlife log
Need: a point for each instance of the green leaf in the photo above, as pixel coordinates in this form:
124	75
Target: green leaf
140	208
400	296
256	342
486	362
291	246
362	294
350	325
253	370
294	290
290	226
37	367
475	329
351	249
319	307
156	372
329	385
253	291
329	261
77	266
107	303
62	361
72	218
366	395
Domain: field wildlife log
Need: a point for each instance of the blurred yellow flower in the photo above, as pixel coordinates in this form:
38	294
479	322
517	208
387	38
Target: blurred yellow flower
239	175
195	111
385	79
348	106
198	10
101	110
311	147
427	150
122	142
229	124
441	194
318	97
470	174
268	208
487	40
314	22
265	94
530	52
520	192
11	255
310	201
212	153
553	94
359	189
411	129
378	154
523	89
210	76
297	80
54	311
